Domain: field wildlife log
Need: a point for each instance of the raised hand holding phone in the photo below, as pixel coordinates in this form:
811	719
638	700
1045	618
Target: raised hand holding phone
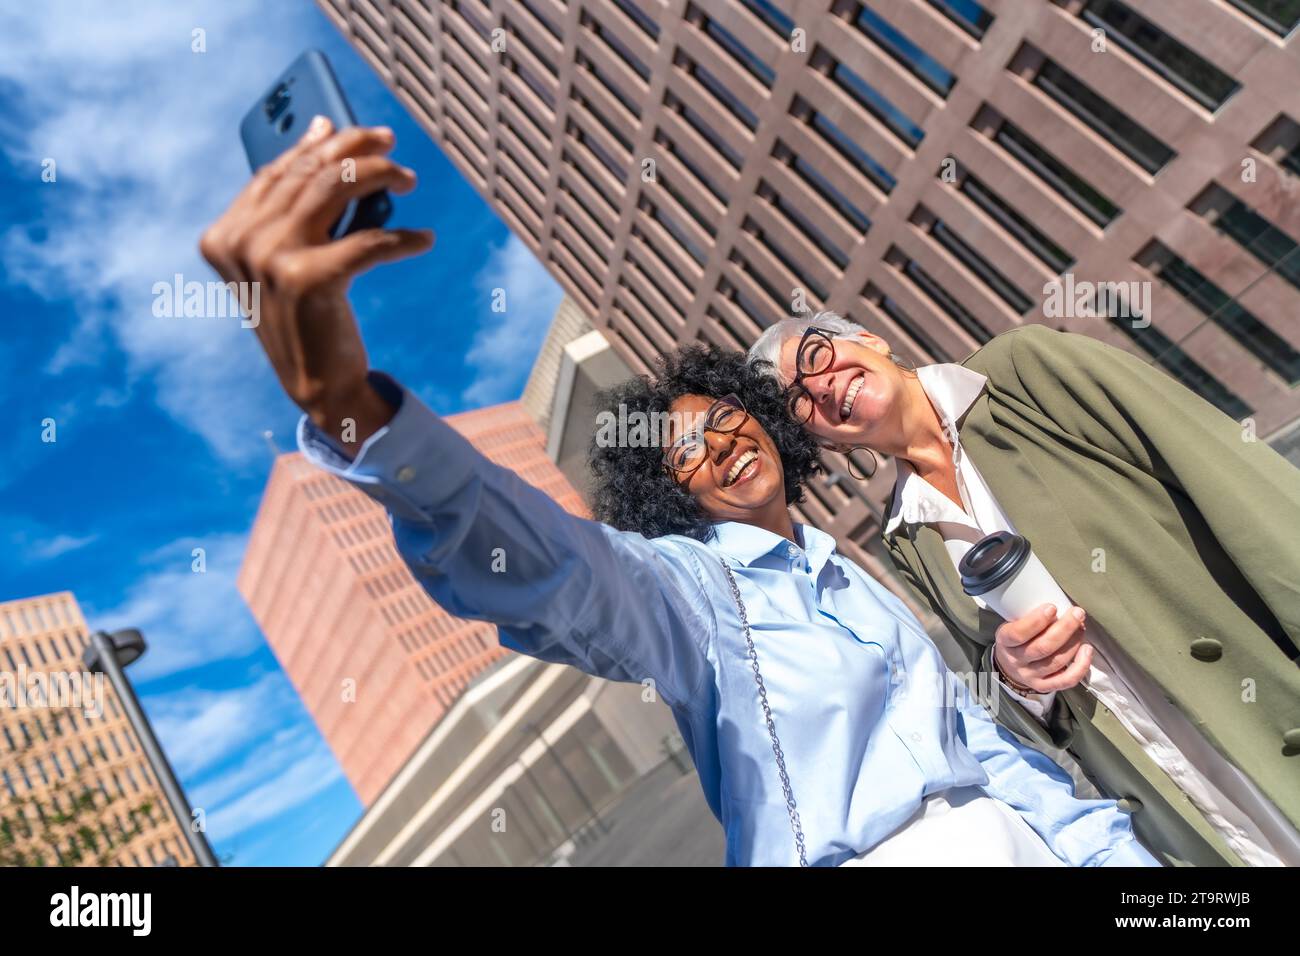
277	232
307	88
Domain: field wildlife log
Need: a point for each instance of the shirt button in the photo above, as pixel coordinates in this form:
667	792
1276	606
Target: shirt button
916	738
405	474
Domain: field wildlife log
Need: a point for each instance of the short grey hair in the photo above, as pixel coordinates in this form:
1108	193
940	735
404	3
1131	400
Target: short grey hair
769	344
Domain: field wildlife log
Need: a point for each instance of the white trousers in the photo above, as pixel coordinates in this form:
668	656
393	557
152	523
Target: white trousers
960	827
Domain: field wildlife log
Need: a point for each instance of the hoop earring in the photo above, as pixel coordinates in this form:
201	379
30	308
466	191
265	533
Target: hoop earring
847	451
906	364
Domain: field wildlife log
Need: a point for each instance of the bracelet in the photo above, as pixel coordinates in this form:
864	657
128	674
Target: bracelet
1020	689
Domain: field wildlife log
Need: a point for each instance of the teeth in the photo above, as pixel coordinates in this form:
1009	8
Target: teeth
854	387
741	464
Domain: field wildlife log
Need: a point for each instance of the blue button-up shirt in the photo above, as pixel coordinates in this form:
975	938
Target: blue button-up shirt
869	717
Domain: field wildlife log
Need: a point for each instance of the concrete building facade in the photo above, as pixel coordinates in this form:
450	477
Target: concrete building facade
939	170
375	661
76	788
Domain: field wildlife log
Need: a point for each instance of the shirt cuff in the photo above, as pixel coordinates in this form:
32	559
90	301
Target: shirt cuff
1040	705
409	465
1130	853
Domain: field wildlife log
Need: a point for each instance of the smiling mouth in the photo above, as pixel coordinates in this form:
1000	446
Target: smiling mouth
746	466
850	396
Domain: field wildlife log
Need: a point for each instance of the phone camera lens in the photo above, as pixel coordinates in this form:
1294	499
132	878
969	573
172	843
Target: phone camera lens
277	102
285	122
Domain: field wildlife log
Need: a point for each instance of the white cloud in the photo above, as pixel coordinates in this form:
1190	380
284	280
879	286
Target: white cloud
285	772
504	349
188	618
144	135
201	728
249	749
60	544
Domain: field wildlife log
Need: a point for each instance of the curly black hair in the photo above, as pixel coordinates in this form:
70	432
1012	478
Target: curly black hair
633	492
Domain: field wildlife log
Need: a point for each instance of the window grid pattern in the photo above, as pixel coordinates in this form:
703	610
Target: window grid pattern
808	166
61	735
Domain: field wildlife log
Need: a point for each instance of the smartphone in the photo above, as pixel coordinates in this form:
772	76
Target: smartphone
280	117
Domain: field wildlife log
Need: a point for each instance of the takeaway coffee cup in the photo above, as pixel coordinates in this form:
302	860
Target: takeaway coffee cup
1003	572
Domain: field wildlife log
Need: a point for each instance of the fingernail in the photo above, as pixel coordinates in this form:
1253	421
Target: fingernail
384	131
1080	615
1048	610
319	124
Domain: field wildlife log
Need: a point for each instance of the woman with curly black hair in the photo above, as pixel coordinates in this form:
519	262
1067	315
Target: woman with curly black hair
635	492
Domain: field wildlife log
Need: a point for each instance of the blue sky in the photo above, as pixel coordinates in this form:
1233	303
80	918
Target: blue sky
159	420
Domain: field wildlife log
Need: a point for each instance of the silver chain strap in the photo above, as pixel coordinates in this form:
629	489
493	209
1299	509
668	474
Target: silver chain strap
767	712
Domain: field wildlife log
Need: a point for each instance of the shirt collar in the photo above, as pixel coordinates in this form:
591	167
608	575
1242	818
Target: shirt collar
952	390
746	543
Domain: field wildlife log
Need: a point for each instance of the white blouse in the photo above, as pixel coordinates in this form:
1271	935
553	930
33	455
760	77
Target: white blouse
1231	803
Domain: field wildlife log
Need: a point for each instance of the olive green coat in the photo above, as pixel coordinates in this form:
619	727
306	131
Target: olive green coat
1172	527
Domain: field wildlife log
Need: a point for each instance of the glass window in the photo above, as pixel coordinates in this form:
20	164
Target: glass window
725	96
967	14
923	66
925	282
1016	224
618	46
983	269
771	15
705	130
594	146
878	105
639	17
810	230
691	166
1182	367
541	90
1260	238
521	34
700	220
849	148
1057	175
589	64
823	187
742	54
1184	68
1257	338
680	234
783	257
912	328
1280	16
1117	128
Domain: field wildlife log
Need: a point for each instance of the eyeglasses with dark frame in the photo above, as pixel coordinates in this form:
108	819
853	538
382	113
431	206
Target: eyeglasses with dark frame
684	457
816	353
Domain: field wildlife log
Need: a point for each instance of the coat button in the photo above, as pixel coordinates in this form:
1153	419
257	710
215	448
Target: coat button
1207	649
405	474
1291	742
1129	805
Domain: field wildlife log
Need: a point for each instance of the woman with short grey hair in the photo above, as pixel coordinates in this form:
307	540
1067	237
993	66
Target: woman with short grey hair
1152	509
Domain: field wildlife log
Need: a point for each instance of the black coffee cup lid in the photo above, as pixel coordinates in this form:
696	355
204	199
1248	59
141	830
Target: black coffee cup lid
991	561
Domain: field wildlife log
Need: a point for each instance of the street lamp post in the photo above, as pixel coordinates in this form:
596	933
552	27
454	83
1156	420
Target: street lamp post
110	654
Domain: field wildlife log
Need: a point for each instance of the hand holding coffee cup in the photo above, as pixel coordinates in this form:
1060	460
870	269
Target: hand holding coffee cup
1041	646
